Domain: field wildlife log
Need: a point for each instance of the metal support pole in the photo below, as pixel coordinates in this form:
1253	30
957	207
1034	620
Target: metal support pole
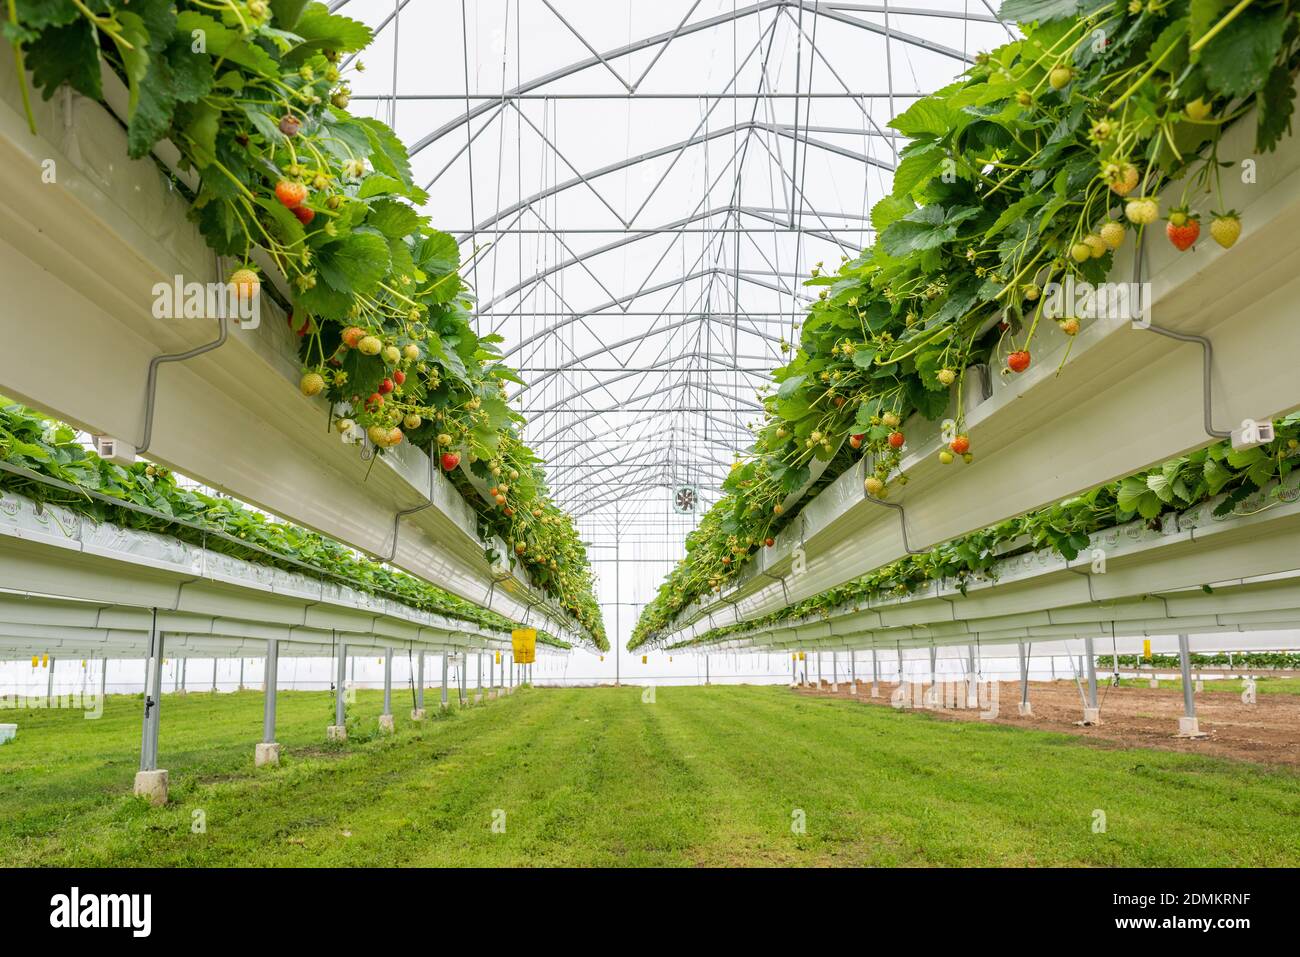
706	669
103	679
340	680
1025	708
875	675
794	668
479	662
1091	713
1188	726
49	688
388	681
853	671
241	674
272	683
462	676
819	670
419	681
214	675
835	671
184	672
444	680
972	690
492	673
152	698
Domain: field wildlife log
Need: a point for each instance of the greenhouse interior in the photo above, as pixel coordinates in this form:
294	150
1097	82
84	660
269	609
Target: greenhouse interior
723	433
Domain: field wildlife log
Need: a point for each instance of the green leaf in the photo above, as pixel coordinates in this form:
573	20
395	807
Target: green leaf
889	210
322	30
1240	57
393	219
1037	11
916	168
354	264
1276	101
921	229
66	55
285	13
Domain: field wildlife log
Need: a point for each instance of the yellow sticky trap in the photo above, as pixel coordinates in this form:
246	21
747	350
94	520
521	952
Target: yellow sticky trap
644	659
1146	649
45	661
83	664
602	657
498	657
803	656
525	645
36	661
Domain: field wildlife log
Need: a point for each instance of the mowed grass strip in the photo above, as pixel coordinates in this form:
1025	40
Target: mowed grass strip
712	776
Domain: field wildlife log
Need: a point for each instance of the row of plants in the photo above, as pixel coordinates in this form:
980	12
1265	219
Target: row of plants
1043	162
254	94
1240	659
51	450
1175	486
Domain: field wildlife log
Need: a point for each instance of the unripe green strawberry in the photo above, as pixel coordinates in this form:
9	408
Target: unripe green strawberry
1142	211
1226	228
1060	77
1081	252
1112	234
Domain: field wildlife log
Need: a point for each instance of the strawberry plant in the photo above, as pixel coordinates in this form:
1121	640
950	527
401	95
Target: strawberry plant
1175	486
151	500
1022	172
258	112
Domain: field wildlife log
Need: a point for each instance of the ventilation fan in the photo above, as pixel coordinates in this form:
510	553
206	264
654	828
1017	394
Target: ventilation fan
684	499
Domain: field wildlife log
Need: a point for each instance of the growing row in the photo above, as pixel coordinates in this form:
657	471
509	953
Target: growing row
254	96
1044	162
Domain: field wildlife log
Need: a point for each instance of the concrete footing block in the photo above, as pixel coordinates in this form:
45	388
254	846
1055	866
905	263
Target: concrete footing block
853	688
417	714
1153	683
1025	709
1200	685
386	723
875	691
152	786
266	754
336	732
1190	728
1091	716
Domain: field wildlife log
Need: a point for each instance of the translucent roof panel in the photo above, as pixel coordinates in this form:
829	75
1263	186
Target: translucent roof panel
639	189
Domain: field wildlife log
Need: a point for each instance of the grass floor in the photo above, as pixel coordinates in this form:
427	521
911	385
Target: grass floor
598	777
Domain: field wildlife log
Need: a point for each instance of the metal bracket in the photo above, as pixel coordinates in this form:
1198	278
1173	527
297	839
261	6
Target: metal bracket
1207	348
151	387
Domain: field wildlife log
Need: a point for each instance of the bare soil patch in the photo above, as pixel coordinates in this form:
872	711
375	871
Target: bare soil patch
1267	732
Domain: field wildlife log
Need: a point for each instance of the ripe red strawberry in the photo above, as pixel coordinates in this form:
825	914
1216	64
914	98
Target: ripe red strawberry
856	440
1018	361
376	401
1182	229
385	386
399	377
289	193
305	214
769	542
896	440
960	444
449	461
